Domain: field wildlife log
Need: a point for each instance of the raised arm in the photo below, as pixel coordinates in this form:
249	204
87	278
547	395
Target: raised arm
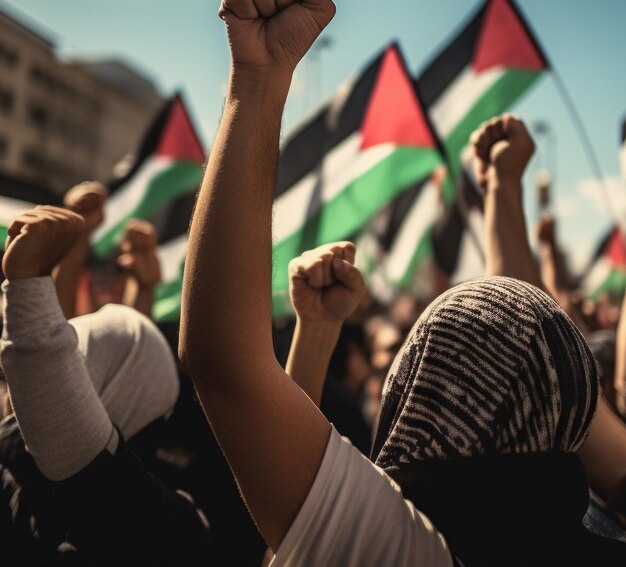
502	149
87	200
271	433
138	258
325	289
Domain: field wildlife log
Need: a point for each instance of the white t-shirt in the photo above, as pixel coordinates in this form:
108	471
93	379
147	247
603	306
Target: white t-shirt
355	516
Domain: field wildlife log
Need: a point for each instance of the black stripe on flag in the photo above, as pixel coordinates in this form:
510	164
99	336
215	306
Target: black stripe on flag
397	213
450	62
173	220
14	188
448	232
306	148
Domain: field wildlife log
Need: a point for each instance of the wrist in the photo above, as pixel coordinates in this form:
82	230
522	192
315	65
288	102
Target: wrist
320	333
259	83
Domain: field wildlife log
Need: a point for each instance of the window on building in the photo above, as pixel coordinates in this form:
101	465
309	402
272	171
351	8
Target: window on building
4	147
38	116
32	159
8	55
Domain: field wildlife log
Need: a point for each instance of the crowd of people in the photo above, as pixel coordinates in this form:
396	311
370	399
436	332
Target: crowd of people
487	428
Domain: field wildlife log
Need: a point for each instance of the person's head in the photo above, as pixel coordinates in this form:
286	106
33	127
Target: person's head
492	366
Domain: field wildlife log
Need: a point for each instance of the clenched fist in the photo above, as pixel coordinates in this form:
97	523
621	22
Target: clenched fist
502	149
38	239
324	285
274	33
138	253
87	199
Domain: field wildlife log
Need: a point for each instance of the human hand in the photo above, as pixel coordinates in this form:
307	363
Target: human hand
324	285
138	253
87	199
502	149
37	241
273	33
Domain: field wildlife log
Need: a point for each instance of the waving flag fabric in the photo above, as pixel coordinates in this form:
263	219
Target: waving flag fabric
370	144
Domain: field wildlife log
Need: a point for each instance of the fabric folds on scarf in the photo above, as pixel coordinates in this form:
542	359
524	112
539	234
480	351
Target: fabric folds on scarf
493	366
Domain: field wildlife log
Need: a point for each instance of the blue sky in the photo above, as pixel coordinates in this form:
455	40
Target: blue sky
182	45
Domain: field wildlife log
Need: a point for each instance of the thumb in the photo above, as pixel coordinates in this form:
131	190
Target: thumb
347	274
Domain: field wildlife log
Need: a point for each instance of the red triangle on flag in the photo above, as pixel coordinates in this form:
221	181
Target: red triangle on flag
394	114
504	42
615	250
179	139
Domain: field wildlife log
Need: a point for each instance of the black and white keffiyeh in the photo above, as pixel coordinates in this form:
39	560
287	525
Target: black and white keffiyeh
493	366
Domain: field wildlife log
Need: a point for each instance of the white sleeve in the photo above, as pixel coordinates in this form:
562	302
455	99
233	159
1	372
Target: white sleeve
355	516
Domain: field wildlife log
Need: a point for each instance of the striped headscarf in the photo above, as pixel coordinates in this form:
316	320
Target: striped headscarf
493	366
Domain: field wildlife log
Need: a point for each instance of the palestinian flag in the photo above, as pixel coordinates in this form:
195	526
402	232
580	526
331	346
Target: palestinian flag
607	271
169	164
481	73
354	157
172	225
458	238
407	242
168	294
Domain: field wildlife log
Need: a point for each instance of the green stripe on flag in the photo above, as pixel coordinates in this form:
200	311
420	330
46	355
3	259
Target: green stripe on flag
168	298
4	230
175	180
355	205
614	284
423	251
500	97
167	301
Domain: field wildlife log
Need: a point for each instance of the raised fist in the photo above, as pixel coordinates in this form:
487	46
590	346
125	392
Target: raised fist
138	253
37	241
502	149
87	199
324	285
274	33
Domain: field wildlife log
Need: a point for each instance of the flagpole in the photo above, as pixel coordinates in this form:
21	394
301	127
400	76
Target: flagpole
586	142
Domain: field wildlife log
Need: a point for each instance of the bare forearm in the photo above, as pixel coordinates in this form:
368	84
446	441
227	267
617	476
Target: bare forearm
311	349
227	301
603	453
272	435
508	251
138	297
67	274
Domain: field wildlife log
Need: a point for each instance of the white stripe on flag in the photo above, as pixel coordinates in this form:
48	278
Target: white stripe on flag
418	220
599	273
11	208
171	255
460	97
343	165
125	201
470	260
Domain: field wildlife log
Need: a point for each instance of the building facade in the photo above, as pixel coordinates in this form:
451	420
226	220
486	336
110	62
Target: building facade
62	122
